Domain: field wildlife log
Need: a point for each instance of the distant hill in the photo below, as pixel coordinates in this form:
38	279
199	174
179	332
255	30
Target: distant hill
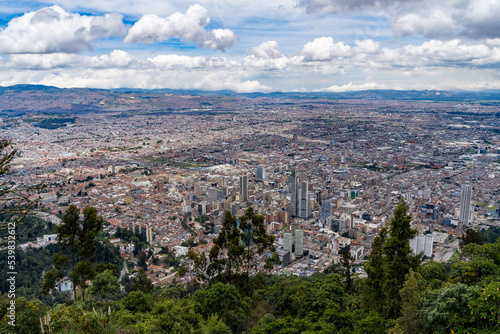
21	99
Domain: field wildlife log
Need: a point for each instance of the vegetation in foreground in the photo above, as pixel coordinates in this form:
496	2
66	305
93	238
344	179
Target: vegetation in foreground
399	295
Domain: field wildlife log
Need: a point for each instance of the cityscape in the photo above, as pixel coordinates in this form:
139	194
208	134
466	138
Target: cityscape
250	167
325	174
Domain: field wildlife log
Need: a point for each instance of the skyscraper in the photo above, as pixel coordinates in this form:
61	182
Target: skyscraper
326	210
299	242
243	188
305	205
294	205
261	173
287	245
465	198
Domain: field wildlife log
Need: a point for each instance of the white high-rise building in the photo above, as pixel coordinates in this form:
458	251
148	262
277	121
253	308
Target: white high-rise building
422	243
465	209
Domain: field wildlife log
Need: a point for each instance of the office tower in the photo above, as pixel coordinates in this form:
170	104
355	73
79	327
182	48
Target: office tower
318	197
422	243
299	242
243	188
288	241
465	198
202	208
261	173
149	235
326	210
234	207
214	194
305	205
294	206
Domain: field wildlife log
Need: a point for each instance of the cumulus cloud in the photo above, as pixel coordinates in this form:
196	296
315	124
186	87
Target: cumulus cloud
268	49
52	29
367	46
446	19
432	25
189	26
323	49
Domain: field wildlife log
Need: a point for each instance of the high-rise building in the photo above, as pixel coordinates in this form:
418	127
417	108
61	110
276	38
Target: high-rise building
305	205
202	208
261	173
326	210
299	242
287	245
294	202
422	243
318	196
149	235
465	210
243	188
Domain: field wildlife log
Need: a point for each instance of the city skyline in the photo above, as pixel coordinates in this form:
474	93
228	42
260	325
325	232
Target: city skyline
311	45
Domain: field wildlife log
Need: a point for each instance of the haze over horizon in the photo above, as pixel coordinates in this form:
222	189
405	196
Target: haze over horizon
259	46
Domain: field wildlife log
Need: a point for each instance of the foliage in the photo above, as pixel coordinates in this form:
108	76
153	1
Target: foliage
410	321
241	241
15	201
141	282
472	236
104	284
391	261
225	302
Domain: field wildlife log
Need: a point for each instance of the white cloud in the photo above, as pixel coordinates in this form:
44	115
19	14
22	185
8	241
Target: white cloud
52	29
351	87
367	46
116	59
431	25
189	26
323	49
172	61
268	49
445	19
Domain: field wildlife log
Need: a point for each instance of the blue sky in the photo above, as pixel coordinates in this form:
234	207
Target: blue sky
245	46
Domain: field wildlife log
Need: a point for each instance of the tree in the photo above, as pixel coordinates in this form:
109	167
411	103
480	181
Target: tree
237	247
67	235
79	238
141	282
224	301
105	284
344	269
472	236
433	273
391	260
398	258
410	321
15	201
374	294
137	301
199	265
225	255
256	241
51	277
